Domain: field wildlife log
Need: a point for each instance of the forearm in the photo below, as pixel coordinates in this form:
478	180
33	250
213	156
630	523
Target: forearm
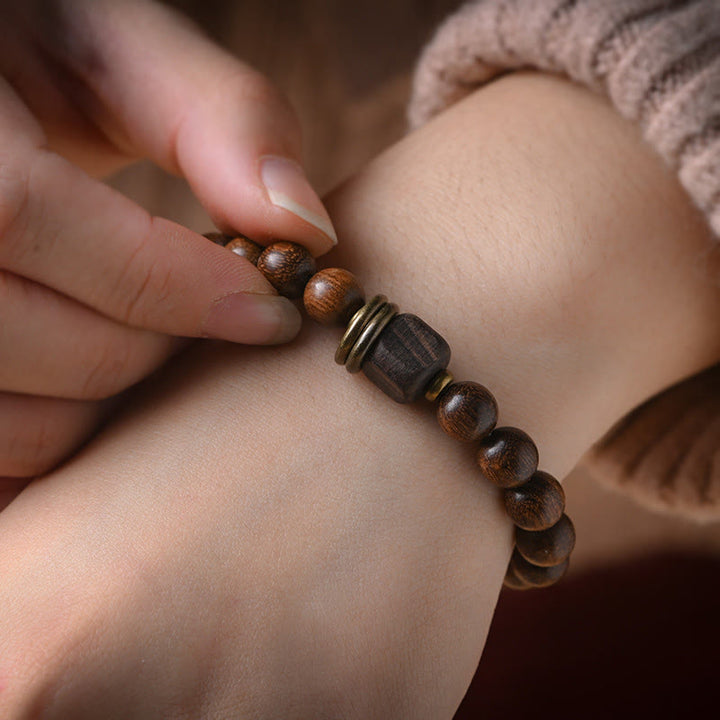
328	545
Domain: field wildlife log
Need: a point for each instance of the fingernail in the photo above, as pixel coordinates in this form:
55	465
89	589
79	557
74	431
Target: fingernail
252	319
288	188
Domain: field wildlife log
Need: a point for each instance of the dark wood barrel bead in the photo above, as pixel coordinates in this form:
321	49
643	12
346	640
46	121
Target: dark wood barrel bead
244	247
547	547
332	296
287	266
534	575
407	355
467	411
507	457
536	505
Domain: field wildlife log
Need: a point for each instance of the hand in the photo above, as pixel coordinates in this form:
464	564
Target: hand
204	559
91	286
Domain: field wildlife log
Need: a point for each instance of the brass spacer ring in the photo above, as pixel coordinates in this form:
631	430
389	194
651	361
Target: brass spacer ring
370	333
355	327
438	384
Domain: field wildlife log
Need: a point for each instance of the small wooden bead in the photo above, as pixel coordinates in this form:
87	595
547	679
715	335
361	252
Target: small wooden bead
467	411
218	238
547	547
332	296
407	355
244	247
534	575
513	582
507	457
287	266
536	505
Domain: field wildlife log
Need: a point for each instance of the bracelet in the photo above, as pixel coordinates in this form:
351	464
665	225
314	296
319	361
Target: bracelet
408	360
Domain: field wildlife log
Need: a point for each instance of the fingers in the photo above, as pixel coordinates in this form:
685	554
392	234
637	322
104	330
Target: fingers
53	346
194	109
37	433
61	228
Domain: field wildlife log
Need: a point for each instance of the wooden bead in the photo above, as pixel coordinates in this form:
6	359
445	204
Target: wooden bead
467	411
513	582
507	457
332	296
547	547
287	266
534	575
244	247
218	238
239	244
536	505
407	355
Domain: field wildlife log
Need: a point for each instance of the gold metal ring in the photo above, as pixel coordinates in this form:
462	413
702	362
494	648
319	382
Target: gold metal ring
355	327
369	335
438	384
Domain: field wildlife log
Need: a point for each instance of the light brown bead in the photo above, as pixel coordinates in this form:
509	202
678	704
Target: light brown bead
332	296
287	266
536	505
534	575
507	457
547	547
244	247
467	411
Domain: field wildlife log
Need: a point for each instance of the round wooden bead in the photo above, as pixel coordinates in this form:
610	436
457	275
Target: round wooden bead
513	582
287	266
218	238
332	296
534	575
536	505
467	411
547	547
244	247
507	457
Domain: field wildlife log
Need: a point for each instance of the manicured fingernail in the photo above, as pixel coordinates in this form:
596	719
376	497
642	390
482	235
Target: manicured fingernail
288	188
252	319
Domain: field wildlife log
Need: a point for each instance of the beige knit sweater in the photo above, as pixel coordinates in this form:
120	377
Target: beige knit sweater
658	61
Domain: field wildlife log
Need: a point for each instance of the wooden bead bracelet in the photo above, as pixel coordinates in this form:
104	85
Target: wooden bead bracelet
408	360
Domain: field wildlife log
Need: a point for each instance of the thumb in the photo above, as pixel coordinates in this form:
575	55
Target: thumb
170	94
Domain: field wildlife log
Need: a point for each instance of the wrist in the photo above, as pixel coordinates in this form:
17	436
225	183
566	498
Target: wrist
555	252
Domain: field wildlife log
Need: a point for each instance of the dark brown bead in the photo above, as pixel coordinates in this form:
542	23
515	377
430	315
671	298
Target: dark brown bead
547	547
534	575
244	247
405	358
287	266
332	296
507	457
536	505
467	411
513	582
218	238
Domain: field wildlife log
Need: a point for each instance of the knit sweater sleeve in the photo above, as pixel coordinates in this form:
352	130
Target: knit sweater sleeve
658	62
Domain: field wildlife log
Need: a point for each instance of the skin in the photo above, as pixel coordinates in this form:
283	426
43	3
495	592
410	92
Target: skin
201	559
93	288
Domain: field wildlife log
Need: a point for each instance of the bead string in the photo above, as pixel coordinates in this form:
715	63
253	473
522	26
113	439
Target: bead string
408	360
